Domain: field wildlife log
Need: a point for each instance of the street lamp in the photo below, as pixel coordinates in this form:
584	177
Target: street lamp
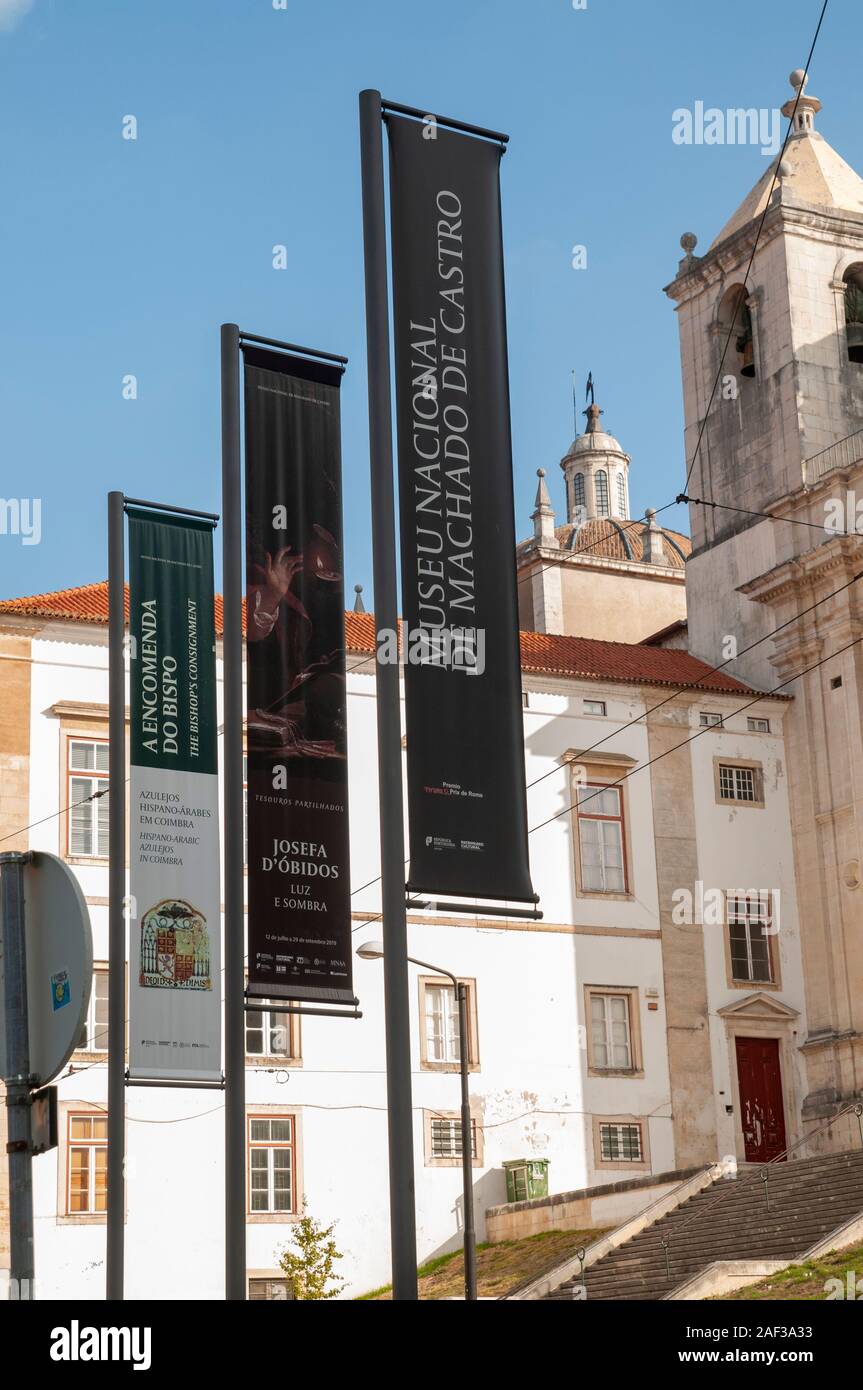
374	950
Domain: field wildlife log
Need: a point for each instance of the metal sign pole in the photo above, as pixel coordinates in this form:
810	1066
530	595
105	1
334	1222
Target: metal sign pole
398	1034
466	1145
18	1098
232	764
116	1196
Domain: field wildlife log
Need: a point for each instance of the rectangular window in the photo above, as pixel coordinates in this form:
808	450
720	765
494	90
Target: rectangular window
271	1163
594	707
758	726
620	1143
87	819
94	1034
740	783
88	1165
748	927
440	1024
268	1289
610	1032
446	1138
708	720
601	839
268	1034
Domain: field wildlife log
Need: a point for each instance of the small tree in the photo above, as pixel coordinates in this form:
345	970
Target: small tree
310	1267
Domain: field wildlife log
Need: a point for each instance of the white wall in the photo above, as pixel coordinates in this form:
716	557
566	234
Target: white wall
531	1090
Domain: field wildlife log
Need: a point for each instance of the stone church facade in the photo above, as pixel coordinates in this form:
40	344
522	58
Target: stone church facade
785	447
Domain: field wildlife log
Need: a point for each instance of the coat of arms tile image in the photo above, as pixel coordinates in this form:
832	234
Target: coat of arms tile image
175	947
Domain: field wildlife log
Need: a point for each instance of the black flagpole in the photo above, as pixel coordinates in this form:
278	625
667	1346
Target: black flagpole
398	1037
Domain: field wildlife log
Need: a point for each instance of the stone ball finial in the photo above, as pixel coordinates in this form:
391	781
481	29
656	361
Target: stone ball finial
798	78
689	241
358	588
784	169
540	472
650	514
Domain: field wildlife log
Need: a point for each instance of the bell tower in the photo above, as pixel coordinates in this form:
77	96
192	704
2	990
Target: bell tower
774	446
762	420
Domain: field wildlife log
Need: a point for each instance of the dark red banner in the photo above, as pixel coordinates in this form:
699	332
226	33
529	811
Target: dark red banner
299	910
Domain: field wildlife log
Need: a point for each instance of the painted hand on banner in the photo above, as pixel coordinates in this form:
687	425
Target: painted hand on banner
277	575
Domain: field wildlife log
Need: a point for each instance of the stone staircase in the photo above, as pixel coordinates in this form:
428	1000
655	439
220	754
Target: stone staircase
730	1220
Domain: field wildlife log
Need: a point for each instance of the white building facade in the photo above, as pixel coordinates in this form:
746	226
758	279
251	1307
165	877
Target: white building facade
613	1038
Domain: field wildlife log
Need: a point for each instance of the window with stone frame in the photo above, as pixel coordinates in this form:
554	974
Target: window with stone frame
87	798
271	1160
87	1165
620	1143
739	782
602	838
611	1046
750	935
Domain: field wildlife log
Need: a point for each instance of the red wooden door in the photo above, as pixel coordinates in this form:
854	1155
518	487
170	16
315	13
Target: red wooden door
761	1108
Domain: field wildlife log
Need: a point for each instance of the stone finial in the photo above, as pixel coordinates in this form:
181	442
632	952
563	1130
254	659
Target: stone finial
652	540
359	606
807	107
593	413
688	241
543	515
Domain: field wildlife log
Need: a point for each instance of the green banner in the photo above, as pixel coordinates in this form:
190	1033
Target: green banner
172	627
175	916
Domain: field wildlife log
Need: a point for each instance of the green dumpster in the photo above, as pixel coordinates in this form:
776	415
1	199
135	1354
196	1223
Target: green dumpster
526	1178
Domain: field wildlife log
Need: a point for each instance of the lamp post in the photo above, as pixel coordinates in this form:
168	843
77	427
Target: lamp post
374	950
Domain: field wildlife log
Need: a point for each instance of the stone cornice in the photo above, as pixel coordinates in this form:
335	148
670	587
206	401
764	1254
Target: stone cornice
827	223
840	553
574	560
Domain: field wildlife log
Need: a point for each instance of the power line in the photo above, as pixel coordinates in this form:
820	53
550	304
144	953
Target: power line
764	695
693	685
768	516
64	810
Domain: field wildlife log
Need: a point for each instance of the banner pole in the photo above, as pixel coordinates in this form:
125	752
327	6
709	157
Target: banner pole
116	1197
398	1036
232	764
18	1095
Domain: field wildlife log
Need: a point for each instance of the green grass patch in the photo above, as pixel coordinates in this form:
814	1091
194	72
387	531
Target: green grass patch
500	1267
809	1280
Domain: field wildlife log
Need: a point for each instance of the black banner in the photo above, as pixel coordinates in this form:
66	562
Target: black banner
297	801
465	740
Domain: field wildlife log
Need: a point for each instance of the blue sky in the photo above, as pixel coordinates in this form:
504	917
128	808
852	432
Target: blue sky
124	256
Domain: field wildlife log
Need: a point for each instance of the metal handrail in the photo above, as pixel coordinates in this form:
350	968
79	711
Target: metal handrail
853	1107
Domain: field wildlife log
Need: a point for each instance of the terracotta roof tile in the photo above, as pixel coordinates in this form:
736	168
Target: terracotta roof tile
541	653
